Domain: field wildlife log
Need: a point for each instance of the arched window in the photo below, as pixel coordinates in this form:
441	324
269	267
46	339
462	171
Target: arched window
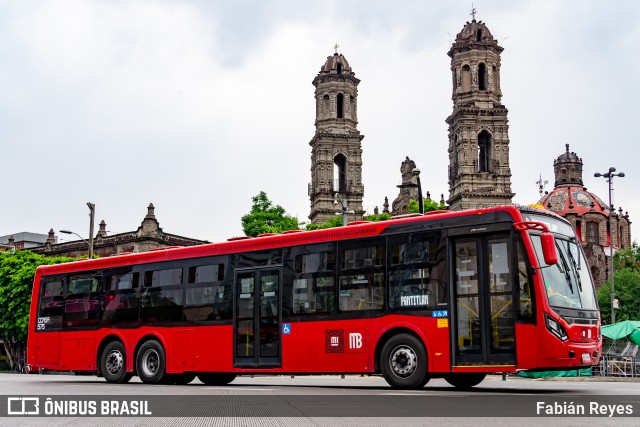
340	173
484	151
482	77
495	79
339	68
340	106
466	78
592	232
479	35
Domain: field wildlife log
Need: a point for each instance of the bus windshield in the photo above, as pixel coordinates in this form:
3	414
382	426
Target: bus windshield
567	283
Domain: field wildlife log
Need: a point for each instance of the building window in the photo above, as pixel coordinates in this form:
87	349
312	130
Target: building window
482	77
340	105
592	233
466	78
484	151
340	173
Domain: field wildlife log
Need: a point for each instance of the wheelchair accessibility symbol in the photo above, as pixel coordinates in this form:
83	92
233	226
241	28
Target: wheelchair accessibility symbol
286	328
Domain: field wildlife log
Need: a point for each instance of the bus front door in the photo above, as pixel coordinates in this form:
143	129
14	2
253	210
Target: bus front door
257	318
484	318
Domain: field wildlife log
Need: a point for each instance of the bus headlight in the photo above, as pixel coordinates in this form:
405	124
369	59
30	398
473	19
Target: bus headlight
555	328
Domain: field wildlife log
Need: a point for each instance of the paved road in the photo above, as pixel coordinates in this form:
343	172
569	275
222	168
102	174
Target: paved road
313	400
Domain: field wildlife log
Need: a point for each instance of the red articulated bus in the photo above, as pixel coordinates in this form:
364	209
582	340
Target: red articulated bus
452	295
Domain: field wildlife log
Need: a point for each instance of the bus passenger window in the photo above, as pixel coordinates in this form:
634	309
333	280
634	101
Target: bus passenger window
313	285
51	304
417	272
205	294
82	303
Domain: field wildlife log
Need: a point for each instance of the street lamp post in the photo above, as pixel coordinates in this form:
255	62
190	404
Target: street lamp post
92	211
344	209
609	176
416	173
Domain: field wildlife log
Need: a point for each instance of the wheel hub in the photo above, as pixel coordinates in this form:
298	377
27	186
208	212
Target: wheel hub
403	361
114	362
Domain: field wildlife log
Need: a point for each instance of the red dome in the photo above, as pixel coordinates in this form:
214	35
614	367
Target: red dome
574	199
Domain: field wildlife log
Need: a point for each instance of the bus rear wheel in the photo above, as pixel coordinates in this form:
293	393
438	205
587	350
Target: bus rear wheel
465	381
151	362
403	362
113	363
215	378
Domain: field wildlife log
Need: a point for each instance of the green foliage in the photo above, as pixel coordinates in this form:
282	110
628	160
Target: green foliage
330	223
429	205
267	218
17	271
627	258
627	291
378	217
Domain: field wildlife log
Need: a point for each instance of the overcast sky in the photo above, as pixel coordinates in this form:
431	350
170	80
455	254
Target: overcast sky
196	106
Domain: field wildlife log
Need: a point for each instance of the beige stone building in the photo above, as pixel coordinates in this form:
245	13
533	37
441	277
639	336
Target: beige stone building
479	172
147	237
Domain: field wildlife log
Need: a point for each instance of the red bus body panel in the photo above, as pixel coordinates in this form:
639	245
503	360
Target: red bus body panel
305	349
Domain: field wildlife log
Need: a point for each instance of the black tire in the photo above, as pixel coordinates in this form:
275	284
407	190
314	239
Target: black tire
180	379
151	362
403	362
465	381
215	378
113	363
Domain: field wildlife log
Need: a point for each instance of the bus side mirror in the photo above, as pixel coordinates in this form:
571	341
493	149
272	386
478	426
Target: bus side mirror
549	248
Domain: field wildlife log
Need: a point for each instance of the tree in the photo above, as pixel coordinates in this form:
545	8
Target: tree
627	286
627	290
17	271
267	218
429	205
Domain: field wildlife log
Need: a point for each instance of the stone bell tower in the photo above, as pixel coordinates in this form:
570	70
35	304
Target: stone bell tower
479	172
336	150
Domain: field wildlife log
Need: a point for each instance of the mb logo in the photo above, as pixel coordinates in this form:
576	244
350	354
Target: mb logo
355	340
23	406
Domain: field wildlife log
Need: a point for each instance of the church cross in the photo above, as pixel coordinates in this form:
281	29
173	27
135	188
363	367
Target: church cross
473	12
336	47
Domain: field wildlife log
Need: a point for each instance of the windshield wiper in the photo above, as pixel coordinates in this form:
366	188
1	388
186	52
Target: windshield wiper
576	266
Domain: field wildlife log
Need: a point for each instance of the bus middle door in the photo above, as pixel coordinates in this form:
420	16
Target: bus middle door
257	318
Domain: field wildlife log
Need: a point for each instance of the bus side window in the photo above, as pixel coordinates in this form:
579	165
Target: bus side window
51	304
205	293
361	278
417	271
161	297
82	302
313	286
120	299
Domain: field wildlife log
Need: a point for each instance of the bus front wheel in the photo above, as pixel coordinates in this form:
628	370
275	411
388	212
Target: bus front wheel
113	363
465	381
151	362
404	362
215	378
